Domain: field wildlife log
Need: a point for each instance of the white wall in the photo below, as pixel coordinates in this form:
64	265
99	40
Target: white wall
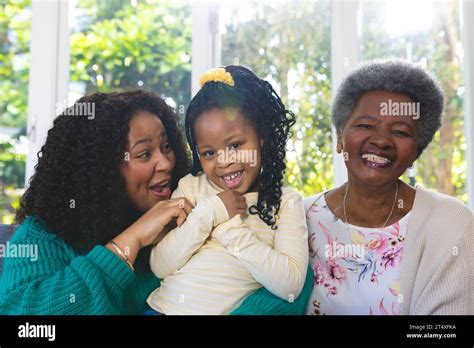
345	55
49	72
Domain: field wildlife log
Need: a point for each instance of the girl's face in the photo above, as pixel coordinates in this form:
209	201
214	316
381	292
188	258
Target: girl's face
148	162
378	147
229	149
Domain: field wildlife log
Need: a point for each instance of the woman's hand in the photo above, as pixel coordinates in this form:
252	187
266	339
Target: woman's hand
171	226
151	224
234	202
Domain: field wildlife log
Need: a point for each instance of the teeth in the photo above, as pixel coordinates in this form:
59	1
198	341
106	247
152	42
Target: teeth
161	186
233	176
376	159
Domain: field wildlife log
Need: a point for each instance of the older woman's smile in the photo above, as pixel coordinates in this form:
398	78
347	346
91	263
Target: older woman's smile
374	160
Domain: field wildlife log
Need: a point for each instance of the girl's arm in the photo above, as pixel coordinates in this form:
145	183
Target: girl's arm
281	269
263	302
177	247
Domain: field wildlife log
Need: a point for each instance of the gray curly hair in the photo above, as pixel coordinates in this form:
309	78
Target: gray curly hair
397	76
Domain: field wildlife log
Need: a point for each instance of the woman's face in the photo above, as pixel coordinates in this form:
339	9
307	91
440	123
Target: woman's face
379	141
148	162
229	149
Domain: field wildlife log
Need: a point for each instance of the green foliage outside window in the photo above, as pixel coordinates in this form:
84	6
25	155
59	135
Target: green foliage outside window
123	44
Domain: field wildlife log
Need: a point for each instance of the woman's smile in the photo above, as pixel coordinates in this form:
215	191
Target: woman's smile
148	172
378	149
373	160
162	188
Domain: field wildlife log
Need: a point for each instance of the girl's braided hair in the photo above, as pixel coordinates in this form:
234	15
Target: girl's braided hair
257	100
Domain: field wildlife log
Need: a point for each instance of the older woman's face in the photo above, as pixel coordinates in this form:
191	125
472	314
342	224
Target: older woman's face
378	141
148	162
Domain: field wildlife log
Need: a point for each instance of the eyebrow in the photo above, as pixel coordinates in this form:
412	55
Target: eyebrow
141	141
407	124
202	147
148	140
235	135
373	118
369	117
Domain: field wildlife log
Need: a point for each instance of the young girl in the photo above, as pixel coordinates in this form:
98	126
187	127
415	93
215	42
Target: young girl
245	230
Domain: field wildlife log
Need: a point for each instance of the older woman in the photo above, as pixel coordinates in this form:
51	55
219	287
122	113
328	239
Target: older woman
98	199
378	245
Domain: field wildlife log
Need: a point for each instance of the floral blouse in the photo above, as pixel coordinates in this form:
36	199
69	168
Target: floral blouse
356	269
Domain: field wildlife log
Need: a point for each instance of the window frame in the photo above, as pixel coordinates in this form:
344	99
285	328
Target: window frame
49	70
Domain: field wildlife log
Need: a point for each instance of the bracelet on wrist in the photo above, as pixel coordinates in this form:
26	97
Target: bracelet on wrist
122	255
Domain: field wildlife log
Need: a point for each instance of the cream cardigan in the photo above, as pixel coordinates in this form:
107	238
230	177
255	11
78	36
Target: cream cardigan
438	259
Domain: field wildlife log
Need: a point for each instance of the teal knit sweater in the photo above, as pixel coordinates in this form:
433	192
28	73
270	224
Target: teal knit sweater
61	282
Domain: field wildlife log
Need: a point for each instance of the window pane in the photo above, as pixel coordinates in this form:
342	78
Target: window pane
126	44
288	44
426	32
15	31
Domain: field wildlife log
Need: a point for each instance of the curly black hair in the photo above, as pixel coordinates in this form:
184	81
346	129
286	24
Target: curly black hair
81	161
258	101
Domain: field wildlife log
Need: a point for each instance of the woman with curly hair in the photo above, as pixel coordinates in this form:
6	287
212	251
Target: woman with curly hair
237	128
378	245
99	195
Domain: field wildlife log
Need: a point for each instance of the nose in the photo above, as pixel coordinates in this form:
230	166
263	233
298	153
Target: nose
224	161
380	139
164	162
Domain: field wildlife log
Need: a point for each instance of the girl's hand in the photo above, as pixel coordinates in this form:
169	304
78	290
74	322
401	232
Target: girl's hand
234	202
151	224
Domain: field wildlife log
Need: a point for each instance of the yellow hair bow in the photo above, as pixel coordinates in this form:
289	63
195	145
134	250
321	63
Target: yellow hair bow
217	75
